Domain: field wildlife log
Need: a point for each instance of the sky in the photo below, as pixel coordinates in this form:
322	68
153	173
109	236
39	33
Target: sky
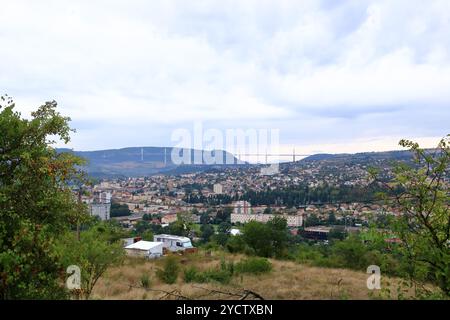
332	75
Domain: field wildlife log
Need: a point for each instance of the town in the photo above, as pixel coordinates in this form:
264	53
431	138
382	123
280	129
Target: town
237	195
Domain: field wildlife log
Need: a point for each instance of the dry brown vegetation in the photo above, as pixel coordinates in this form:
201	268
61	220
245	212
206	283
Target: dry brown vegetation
287	280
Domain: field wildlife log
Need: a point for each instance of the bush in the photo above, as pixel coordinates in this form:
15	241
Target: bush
219	275
235	244
169	273
193	275
145	281
253	265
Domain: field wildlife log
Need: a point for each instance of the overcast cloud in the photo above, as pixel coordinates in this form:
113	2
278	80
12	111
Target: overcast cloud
333	76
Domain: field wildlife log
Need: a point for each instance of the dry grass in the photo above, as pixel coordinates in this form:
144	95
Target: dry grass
288	280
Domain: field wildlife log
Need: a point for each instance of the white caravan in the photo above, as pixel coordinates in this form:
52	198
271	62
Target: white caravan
173	243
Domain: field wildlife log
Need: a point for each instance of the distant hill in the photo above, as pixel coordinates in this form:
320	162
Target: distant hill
142	161
145	161
404	155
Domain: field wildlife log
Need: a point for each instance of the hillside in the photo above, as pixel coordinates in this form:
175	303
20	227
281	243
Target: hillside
139	161
361	157
287	280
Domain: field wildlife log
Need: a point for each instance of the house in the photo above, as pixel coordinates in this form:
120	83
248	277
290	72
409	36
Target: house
146	249
169	218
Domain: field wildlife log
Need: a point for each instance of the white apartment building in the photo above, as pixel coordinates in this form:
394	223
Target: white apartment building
101	210
217	188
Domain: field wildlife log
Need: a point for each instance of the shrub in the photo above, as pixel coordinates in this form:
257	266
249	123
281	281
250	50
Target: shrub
193	275
169	273
145	281
235	244
253	265
222	276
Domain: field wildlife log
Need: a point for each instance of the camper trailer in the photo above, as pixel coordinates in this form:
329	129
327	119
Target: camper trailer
174	243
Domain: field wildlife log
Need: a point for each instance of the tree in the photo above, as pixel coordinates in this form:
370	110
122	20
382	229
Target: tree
224	227
279	235
312	220
223	215
207	231
147	235
94	253
119	210
331	218
257	237
204	218
36	202
221	238
179	228
424	225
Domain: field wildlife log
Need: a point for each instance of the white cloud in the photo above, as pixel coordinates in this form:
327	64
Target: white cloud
317	70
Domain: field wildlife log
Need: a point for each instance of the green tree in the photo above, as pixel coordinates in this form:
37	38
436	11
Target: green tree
279	235
147	235
179	228
312	220
424	225
36	202
119	210
94	253
257	237
207	231
331	218
224	227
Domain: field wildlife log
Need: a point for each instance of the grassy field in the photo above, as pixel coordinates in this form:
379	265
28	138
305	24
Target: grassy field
287	280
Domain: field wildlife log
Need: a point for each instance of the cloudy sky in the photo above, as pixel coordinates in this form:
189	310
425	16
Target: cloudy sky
331	75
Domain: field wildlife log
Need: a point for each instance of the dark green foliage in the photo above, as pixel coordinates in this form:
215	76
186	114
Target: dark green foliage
220	238
119	210
179	228
266	240
207	231
236	244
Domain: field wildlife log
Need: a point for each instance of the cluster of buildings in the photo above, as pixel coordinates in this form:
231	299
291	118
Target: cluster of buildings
163	197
